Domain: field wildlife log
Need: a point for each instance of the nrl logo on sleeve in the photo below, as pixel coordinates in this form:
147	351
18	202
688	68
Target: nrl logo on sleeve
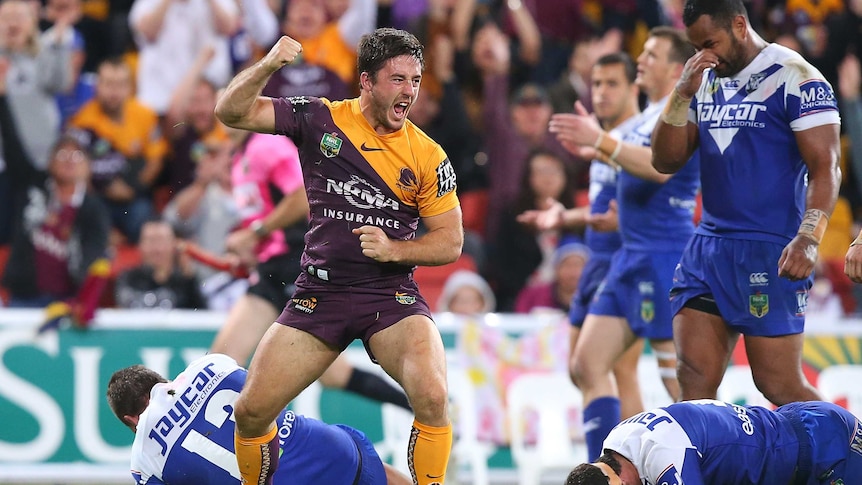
330	144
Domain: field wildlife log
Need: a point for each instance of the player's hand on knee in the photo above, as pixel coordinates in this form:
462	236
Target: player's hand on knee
798	258
375	244
284	52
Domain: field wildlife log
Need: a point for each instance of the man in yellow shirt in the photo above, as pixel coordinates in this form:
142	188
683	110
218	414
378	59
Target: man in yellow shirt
125	144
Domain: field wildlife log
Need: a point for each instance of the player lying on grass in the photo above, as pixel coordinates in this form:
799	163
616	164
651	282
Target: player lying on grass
718	443
184	432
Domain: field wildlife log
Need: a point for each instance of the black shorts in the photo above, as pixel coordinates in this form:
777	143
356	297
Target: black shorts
276	278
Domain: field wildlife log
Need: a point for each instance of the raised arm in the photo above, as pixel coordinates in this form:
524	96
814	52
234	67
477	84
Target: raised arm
674	138
241	105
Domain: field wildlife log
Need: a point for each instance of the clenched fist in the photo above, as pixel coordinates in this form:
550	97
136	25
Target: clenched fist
284	52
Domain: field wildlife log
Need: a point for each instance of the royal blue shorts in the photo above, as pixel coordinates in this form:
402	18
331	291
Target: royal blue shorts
742	277
836	442
372	472
636	288
591	278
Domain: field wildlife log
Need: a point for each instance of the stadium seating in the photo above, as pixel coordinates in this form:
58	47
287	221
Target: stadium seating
552	397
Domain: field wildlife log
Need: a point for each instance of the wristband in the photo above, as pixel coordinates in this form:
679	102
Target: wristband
597	145
675	112
813	225
617	150
857	241
258	229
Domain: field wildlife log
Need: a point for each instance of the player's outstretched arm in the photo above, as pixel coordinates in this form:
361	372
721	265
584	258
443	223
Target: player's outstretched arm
241	105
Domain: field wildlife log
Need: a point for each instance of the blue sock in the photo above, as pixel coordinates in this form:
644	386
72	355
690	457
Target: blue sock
600	416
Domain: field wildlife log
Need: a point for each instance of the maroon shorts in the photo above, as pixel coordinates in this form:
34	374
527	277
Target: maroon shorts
338	314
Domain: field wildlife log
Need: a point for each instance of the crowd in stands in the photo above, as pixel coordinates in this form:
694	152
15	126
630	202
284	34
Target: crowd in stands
110	147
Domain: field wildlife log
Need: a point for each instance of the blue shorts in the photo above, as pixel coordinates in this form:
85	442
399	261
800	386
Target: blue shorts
742	276
836	441
591	278
636	289
372	472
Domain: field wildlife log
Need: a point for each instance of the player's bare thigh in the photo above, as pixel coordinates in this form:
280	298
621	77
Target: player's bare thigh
776	366
703	346
412	352
287	361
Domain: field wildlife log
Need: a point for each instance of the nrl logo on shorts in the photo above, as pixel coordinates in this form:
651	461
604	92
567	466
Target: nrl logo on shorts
404	298
330	144
647	310
758	305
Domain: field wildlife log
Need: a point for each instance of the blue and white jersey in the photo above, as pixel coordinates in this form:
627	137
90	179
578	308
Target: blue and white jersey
603	189
186	435
656	216
708	442
754	178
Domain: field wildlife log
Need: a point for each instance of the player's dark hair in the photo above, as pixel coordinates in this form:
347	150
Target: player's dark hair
129	390
610	460
589	474
721	11
376	48
620	58
680	48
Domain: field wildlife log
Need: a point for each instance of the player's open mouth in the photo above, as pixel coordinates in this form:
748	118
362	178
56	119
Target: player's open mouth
401	109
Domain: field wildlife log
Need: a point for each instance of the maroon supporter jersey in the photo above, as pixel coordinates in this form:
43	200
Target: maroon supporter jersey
355	177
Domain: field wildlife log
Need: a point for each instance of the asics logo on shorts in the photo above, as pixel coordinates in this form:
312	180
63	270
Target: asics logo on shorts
758	279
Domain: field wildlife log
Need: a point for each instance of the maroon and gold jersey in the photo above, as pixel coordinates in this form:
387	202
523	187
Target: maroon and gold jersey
355	177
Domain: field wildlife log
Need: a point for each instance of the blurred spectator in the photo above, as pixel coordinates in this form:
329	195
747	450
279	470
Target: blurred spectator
125	144
323	42
355	18
162	280
61	229
568	265
171	34
562	23
189	124
850	102
40	68
258	31
205	212
466	293
440	113
511	129
89	40
93	35
520	255
574	84
844	38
